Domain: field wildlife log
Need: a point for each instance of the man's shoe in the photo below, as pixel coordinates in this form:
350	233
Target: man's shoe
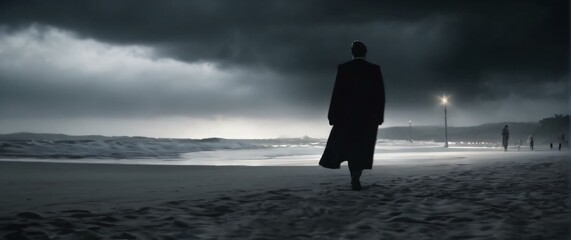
356	185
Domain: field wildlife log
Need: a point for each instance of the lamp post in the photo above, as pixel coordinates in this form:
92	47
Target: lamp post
445	102
410	130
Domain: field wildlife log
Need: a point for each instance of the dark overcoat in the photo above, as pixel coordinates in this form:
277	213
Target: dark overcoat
505	136
356	110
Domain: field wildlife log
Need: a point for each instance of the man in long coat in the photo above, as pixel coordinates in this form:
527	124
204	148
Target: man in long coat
357	109
505	137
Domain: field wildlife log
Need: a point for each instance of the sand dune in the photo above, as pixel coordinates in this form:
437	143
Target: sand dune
512	197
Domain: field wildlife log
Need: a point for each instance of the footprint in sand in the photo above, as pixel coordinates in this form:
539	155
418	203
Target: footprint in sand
123	236
78	213
60	223
29	215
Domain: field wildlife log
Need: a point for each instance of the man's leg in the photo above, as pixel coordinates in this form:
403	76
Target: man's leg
356	170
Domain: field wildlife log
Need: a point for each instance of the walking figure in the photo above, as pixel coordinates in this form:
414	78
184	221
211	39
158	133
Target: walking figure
356	111
530	139
505	137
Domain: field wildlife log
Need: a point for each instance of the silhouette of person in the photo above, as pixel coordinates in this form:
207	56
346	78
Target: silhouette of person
505	137
551	146
356	110
530	142
560	146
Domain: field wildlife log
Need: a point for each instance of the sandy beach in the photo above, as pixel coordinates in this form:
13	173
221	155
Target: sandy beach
220	119
467	195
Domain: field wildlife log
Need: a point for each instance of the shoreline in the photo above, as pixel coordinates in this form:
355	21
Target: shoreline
267	157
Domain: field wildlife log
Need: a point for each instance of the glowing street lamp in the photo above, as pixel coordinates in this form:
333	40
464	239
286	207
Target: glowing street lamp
410	130
445	102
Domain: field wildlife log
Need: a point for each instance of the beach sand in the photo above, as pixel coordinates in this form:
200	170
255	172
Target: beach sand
486	195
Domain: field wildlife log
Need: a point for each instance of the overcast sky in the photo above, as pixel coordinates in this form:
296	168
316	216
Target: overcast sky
262	69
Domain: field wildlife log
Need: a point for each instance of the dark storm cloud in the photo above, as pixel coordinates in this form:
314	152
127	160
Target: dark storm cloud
470	49
47	72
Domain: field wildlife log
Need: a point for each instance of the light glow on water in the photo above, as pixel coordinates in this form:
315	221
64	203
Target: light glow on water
228	152
304	156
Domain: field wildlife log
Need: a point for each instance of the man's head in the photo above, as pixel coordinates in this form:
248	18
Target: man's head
358	49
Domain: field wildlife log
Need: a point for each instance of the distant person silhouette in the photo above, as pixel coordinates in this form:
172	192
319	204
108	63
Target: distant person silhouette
530	139
559	146
551	146
505	137
357	109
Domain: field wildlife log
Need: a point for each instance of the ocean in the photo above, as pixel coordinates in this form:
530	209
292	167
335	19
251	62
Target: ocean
211	151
